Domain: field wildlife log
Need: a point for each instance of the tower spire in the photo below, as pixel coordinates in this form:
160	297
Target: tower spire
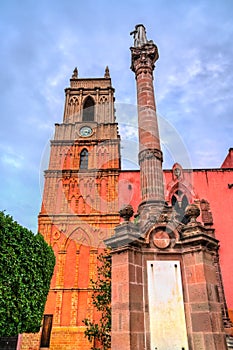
144	54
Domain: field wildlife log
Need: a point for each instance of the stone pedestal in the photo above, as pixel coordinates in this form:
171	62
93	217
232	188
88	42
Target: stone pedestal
191	248
127	288
202	302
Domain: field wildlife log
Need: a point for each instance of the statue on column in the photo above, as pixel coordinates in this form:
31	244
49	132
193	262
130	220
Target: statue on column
139	34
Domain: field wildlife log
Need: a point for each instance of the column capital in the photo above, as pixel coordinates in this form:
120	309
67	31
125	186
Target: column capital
144	57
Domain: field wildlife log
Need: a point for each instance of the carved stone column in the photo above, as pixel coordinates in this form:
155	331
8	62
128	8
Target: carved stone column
150	154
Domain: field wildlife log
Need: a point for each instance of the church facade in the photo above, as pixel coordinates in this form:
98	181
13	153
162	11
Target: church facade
85	188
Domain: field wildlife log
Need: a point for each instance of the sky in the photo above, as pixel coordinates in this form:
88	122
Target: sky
43	41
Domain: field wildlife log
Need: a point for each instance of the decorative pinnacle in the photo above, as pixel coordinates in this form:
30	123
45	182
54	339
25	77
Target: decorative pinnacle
107	74
126	212
75	73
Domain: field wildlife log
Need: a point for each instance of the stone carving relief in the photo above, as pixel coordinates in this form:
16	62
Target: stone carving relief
206	213
180	191
72	108
161	239
177	172
162	236
149	154
139	35
73	100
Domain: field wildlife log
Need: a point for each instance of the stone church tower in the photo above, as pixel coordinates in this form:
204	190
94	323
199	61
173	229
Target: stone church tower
80	204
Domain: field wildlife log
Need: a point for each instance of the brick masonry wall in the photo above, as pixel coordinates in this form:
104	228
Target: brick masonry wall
30	341
62	338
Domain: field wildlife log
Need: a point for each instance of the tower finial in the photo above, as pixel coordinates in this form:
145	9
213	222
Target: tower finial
107	74
75	73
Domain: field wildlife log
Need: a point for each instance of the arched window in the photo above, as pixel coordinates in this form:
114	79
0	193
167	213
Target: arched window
88	110
179	203
84	159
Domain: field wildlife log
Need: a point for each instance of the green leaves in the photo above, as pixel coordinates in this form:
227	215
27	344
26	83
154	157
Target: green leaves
100	332
26	268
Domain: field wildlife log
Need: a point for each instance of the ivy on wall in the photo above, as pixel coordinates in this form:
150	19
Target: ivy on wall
99	333
26	268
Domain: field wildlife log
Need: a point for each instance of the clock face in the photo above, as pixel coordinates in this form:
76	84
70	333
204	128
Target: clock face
85	131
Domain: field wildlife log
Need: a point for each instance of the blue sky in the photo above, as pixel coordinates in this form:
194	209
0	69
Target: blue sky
41	43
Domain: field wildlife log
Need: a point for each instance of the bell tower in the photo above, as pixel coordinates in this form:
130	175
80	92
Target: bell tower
85	155
80	202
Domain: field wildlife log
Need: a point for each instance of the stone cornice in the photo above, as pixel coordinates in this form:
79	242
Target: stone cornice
81	142
77	172
125	234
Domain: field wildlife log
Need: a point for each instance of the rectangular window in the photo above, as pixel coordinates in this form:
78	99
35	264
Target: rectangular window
46	331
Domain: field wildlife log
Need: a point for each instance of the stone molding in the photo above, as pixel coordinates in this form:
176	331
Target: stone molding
149	154
125	234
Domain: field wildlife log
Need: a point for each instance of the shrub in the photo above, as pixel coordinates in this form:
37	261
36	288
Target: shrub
27	264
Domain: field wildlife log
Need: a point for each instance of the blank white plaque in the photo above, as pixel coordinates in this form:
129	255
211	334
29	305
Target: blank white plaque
166	306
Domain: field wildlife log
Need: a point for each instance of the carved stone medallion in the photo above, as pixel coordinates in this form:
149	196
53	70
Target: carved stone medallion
161	239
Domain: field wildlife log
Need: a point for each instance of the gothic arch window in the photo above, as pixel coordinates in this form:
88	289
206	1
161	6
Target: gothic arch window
88	109
179	202
84	159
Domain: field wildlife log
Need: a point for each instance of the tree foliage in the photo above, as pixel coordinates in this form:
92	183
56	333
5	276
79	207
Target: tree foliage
26	268
100	332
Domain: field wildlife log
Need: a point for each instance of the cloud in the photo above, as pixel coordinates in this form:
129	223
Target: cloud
43	41
11	159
